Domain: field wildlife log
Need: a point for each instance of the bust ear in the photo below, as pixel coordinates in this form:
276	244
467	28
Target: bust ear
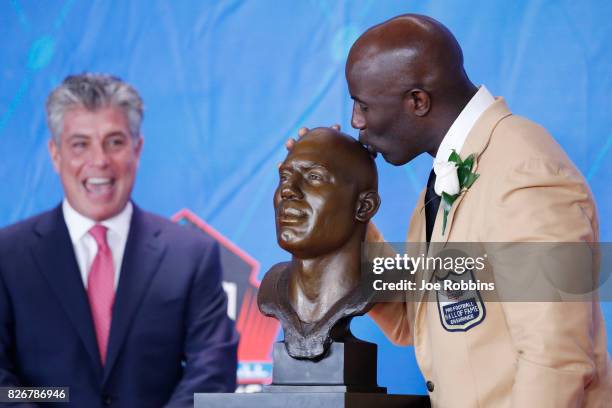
367	205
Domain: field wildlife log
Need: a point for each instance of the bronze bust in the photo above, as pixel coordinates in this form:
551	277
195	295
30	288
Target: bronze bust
326	195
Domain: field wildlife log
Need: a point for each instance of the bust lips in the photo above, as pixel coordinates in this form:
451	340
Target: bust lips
291	215
292	223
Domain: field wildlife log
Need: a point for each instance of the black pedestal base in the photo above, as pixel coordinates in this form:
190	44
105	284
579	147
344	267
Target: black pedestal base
347	367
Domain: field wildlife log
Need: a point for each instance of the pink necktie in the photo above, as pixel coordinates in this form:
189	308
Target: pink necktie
101	288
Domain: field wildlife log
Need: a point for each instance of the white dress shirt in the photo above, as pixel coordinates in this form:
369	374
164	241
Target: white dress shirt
457	133
85	247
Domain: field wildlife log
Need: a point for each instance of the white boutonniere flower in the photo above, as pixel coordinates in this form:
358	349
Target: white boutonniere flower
447	180
453	177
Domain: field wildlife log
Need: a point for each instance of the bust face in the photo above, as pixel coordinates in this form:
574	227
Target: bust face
316	198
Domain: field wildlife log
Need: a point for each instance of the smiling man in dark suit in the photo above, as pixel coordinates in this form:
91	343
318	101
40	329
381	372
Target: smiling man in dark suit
122	306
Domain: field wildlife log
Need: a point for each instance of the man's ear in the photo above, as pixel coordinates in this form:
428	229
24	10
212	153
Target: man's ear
417	101
54	153
138	148
367	205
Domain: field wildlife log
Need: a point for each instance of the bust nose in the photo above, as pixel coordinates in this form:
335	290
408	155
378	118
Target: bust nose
290	191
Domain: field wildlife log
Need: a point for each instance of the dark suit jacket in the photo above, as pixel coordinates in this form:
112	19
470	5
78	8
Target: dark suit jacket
170	334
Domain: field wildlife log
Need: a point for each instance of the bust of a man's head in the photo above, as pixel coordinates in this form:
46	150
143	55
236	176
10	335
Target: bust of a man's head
326	195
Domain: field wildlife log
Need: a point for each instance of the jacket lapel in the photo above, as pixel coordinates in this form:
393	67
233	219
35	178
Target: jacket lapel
54	255
143	253
476	142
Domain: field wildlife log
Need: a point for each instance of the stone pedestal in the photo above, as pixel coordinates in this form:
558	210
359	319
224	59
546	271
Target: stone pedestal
344	378
310	400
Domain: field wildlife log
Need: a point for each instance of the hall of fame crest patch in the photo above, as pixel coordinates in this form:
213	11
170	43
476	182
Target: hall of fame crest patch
459	310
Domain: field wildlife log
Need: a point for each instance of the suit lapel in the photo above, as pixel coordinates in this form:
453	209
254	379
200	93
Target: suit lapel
143	253
54	255
476	142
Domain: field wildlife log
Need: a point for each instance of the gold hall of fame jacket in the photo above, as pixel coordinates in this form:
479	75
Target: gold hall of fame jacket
517	354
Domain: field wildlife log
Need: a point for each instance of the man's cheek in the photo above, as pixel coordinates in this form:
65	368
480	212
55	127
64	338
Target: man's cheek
74	163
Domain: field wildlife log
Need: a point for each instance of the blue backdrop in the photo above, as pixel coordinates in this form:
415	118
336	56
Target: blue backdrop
225	83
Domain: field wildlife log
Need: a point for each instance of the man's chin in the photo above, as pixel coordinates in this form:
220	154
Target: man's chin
391	160
395	160
100	211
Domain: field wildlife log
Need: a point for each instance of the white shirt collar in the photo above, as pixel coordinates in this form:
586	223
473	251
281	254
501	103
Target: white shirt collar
459	130
79	225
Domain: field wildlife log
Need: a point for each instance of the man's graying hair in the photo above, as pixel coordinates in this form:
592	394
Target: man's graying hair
93	92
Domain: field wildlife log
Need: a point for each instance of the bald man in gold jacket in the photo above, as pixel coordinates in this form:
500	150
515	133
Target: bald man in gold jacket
411	95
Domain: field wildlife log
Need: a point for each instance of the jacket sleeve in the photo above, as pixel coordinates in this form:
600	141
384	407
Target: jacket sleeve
211	340
392	319
553	338
8	376
391	316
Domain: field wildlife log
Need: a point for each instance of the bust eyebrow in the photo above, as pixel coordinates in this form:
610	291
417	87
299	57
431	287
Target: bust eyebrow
311	166
284	169
302	165
315	166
